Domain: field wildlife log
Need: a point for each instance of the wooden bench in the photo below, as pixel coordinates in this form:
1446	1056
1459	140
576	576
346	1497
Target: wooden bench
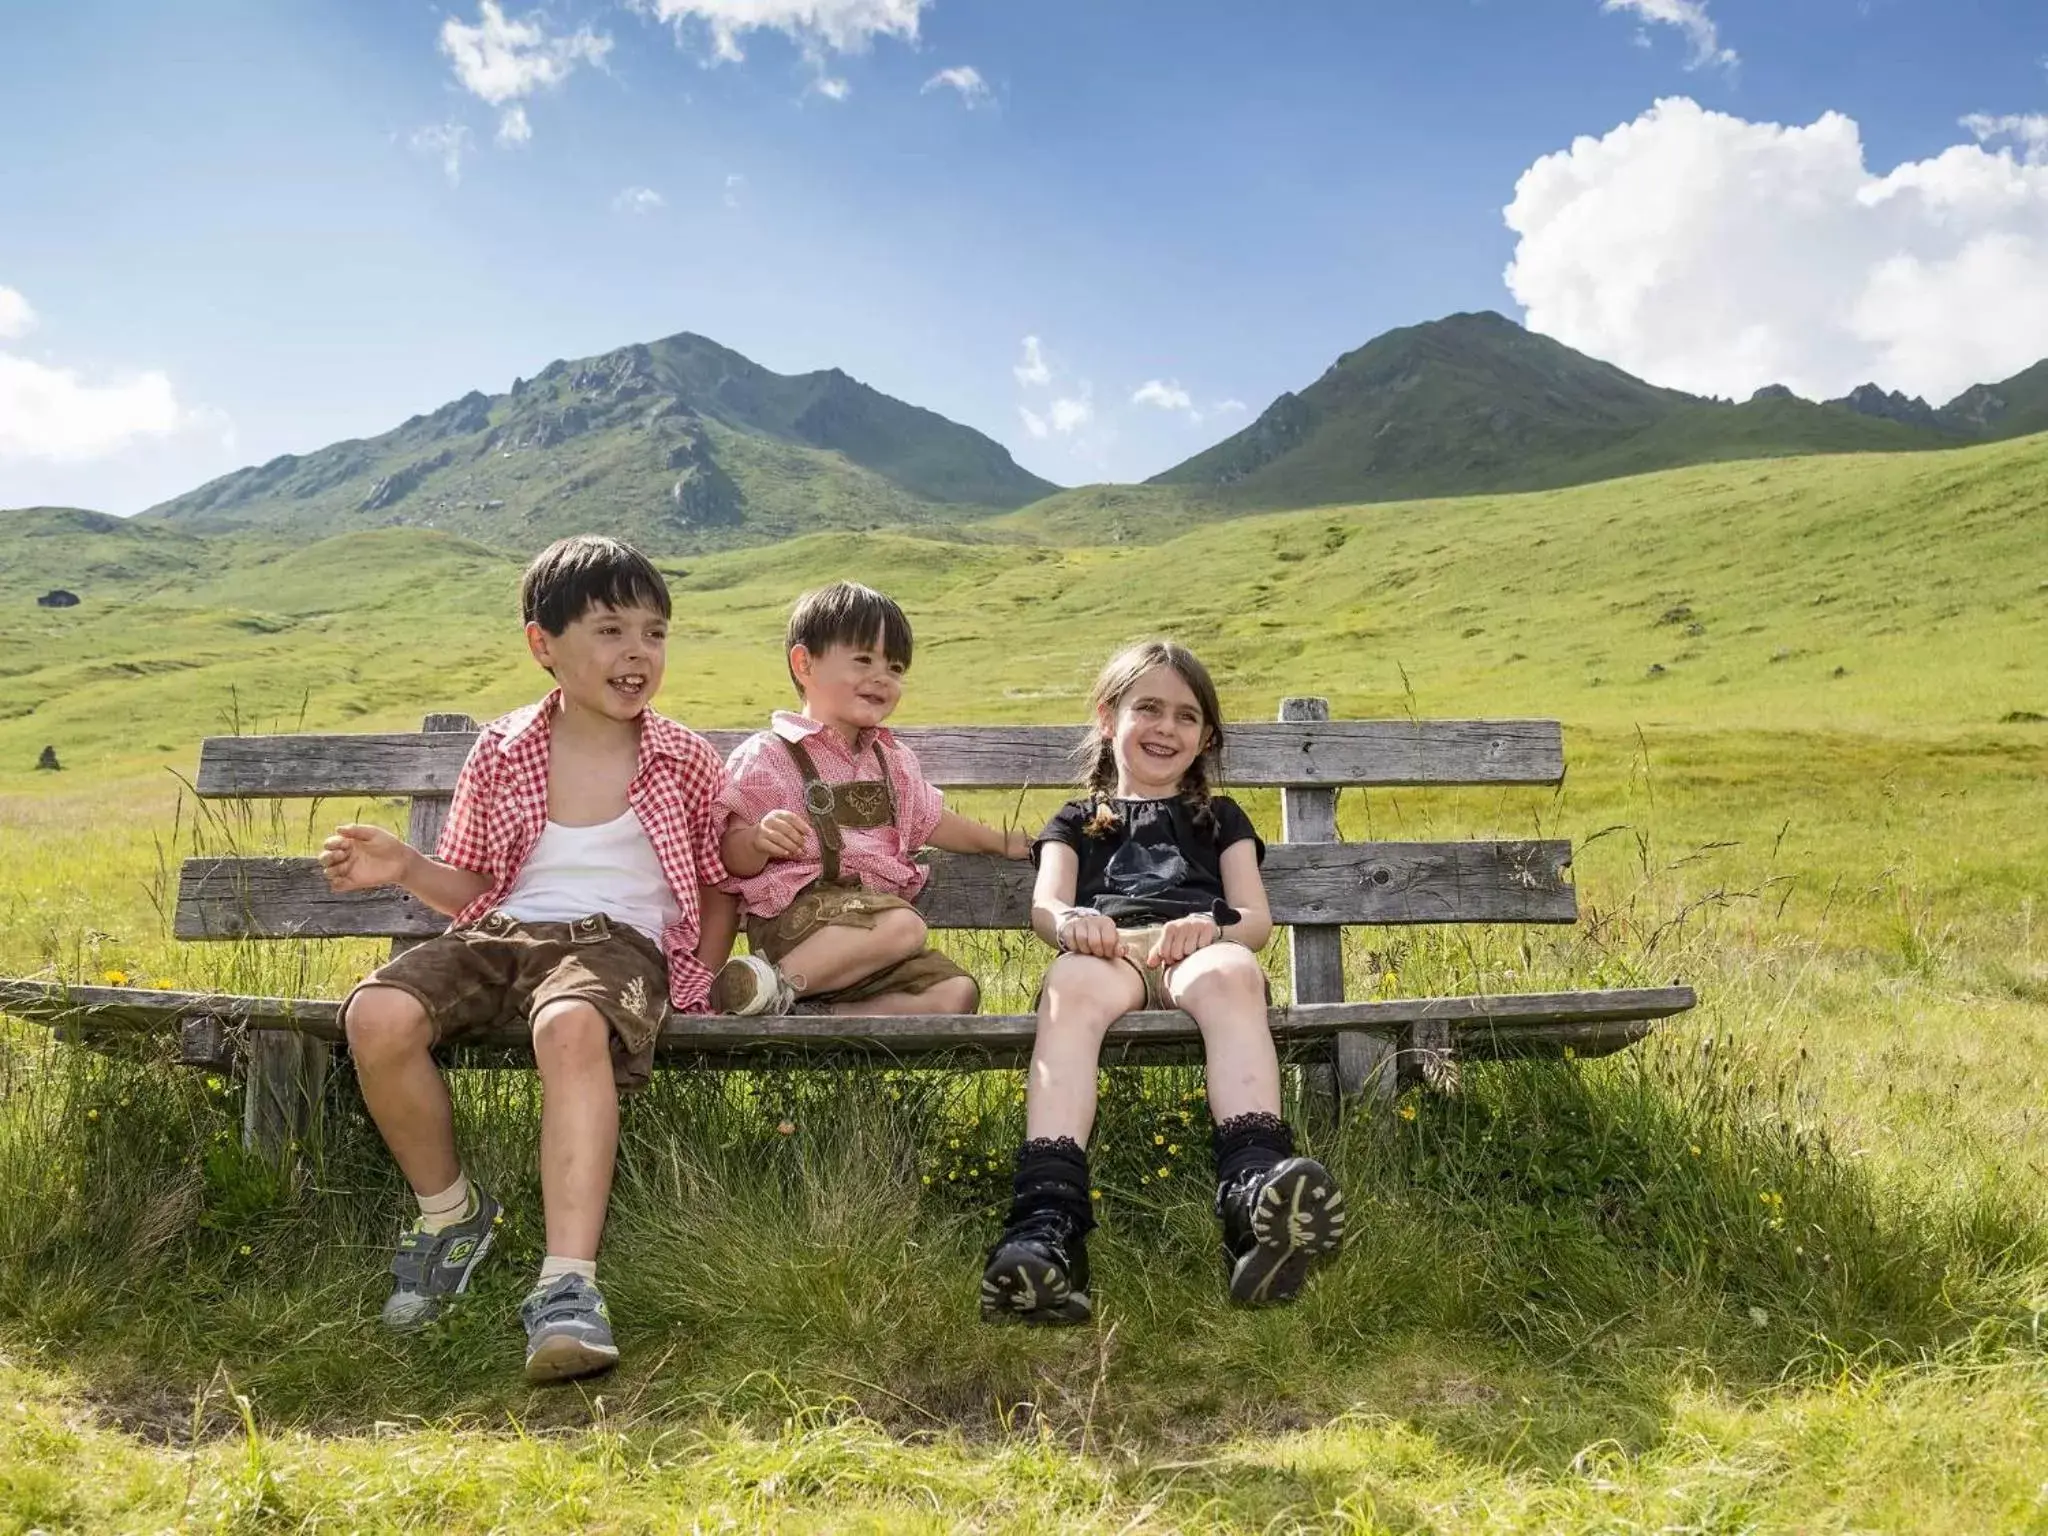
1317	885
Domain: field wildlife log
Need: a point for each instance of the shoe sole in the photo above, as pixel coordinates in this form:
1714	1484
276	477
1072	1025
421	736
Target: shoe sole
483	1247
738	990
1299	1219
1026	1291
562	1357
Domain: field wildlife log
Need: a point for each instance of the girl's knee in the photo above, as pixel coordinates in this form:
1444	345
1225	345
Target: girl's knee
1084	991
1224	973
383	1023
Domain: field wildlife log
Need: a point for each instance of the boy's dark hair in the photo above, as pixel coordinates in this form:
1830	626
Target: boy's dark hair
847	613
573	575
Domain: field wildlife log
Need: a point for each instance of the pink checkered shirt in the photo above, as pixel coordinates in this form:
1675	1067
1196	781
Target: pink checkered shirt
501	809
764	778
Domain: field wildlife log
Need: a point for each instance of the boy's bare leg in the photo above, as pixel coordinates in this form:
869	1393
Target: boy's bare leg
391	1043
579	1124
1225	990
957	994
839	956
1083	996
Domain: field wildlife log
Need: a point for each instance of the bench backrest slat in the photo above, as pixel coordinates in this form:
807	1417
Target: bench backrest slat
1331	754
1317	883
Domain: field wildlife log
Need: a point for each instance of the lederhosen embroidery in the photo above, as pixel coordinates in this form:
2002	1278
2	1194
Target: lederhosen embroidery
859	804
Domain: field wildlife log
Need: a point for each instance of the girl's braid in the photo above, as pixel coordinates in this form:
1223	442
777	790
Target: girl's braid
1194	788
1103	818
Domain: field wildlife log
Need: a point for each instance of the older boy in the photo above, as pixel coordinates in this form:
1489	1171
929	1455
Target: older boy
577	861
824	810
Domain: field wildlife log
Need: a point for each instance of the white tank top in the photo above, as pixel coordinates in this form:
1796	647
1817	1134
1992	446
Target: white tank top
576	871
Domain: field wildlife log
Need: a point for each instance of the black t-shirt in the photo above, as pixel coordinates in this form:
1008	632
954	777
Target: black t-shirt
1157	864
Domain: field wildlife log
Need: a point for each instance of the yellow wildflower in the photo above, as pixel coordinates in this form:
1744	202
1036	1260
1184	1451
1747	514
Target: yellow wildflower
1165	1173
117	978
1406	1111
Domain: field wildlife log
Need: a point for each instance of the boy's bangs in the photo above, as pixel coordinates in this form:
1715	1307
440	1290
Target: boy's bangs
849	614
572	576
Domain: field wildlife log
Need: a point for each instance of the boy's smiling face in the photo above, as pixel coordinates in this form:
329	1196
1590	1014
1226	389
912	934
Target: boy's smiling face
851	688
608	661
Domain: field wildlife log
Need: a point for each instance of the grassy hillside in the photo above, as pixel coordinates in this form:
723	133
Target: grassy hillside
1783	1269
680	444
1476	403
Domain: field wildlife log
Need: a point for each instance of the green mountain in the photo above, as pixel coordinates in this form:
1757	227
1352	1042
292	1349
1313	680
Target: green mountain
678	444
1476	403
2016	408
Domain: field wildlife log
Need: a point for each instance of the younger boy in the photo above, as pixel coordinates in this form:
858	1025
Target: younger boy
577	862
824	810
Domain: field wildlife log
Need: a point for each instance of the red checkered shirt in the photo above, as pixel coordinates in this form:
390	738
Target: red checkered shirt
501	808
764	778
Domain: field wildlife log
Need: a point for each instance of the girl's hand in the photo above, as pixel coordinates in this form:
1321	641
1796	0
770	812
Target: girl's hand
1182	937
359	858
780	835
1082	932
1016	844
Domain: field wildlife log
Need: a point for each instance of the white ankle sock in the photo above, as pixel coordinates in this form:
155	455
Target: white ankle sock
553	1268
440	1212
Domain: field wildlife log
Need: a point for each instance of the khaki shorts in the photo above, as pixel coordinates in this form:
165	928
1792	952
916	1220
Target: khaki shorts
1138	944
847	904
470	978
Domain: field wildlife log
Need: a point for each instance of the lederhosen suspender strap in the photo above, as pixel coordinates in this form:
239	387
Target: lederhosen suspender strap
861	804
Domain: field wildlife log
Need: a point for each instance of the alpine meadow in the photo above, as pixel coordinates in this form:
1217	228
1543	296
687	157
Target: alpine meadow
1782	1266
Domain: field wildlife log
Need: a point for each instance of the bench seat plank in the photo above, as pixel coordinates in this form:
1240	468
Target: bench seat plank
1335	753
1497	1027
1475	882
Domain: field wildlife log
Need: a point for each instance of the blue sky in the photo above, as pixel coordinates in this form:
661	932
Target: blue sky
234	228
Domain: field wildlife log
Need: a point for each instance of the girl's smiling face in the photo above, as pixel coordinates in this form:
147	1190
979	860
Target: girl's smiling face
1156	730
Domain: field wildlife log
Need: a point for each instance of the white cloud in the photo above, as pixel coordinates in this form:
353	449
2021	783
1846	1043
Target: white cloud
1034	423
513	128
16	317
2029	132
1227	407
817	26
53	414
447	142
832	87
1071	414
1166	395
501	60
1716	255
1034	370
735	184
638	200
965	79
1691	18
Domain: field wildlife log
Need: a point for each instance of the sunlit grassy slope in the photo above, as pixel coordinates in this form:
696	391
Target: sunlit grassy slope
1784	1269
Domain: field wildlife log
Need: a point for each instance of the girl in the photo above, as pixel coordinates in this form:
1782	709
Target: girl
1149	887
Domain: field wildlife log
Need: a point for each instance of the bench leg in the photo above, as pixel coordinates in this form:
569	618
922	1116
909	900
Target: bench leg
1365	1072
286	1076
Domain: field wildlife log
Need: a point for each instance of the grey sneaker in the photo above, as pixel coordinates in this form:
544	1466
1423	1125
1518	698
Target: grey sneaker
568	1331
749	986
432	1266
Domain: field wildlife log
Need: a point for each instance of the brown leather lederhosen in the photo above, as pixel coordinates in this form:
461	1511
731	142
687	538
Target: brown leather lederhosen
833	899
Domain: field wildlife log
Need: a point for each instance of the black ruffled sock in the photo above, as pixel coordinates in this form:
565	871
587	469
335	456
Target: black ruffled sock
1249	1143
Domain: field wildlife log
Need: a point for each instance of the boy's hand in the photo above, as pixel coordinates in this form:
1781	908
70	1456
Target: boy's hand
1016	844
359	858
1082	932
1182	937
780	835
